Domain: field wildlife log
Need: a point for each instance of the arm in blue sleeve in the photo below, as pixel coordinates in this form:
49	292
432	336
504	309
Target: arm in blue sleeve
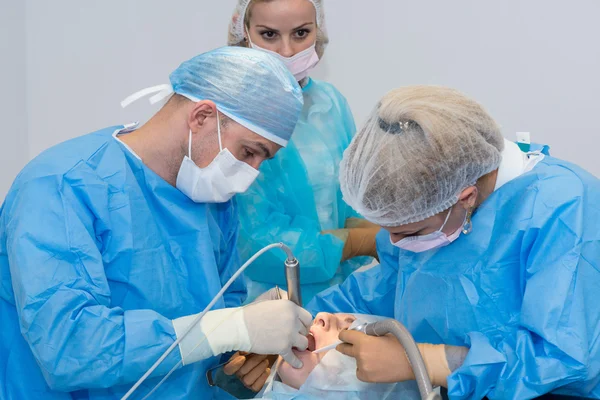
63	299
365	292
269	215
556	346
229	262
347	117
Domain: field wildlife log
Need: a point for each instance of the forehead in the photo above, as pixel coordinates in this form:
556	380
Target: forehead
241	133
282	13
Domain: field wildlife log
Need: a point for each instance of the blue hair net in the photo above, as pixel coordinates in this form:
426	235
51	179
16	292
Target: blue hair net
249	86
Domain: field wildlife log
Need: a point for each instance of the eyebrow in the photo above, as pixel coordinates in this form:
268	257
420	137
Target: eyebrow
264	149
303	25
277	30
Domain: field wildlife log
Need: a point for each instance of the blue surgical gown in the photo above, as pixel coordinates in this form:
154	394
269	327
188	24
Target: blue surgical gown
521	290
97	255
297	196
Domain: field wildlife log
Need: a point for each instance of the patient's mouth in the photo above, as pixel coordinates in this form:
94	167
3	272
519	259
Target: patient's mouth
311	342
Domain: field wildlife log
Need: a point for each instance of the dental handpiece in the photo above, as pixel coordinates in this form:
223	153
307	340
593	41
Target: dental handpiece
292	277
359	328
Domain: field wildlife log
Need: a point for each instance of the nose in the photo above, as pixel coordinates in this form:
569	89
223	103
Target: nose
287	50
323	320
396	237
256	163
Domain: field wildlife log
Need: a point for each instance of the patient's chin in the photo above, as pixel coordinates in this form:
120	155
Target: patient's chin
296	377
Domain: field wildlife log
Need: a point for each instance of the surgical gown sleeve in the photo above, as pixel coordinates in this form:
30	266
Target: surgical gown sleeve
350	129
365	292
268	217
63	299
556	342
229	260
281	207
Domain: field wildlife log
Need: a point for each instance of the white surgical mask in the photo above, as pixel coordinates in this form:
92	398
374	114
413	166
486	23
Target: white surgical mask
224	177
299	64
431	241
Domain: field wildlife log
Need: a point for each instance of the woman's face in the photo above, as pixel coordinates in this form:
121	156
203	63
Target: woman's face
324	331
283	26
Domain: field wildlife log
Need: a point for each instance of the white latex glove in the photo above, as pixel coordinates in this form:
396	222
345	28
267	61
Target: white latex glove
277	326
268	327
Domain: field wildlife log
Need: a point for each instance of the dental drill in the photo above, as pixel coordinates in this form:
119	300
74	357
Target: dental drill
292	273
292	277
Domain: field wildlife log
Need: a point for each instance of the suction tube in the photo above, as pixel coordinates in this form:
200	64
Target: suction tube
394	327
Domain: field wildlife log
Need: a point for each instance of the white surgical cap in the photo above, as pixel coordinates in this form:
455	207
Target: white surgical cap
237	28
421	146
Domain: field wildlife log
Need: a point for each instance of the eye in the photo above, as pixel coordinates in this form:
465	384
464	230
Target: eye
302	33
268	35
248	153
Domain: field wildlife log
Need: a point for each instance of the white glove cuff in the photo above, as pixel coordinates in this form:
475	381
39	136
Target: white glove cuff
218	332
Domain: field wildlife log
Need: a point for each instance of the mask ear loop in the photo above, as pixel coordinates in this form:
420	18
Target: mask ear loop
190	145
446	220
219	131
247	38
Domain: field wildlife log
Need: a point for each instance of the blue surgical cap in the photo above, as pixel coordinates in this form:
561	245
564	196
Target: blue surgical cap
249	86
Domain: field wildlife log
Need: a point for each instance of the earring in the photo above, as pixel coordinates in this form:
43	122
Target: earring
468	226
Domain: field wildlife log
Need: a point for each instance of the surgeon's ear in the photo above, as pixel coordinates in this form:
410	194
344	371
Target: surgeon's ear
201	113
468	197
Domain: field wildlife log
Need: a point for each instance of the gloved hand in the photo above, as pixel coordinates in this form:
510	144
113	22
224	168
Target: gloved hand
358	237
268	327
341	234
378	359
275	327
360	242
252	369
383	359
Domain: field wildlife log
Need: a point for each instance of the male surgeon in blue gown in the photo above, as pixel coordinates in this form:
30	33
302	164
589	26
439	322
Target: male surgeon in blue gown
110	243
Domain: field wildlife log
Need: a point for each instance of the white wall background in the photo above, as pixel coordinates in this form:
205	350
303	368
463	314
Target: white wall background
13	107
533	63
